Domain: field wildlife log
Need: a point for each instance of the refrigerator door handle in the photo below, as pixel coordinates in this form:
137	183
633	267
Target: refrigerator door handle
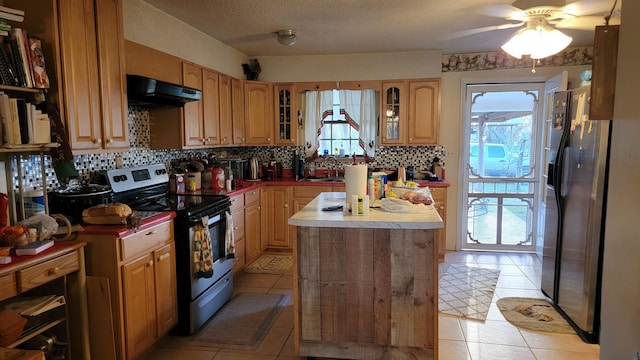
566	172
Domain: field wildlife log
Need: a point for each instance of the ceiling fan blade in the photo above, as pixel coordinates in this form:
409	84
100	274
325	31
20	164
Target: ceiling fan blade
463	33
581	23
503	11
589	7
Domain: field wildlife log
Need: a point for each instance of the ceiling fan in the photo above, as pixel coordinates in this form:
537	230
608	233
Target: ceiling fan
543	18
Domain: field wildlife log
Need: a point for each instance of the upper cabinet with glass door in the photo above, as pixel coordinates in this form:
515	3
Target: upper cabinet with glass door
286	114
410	112
393	126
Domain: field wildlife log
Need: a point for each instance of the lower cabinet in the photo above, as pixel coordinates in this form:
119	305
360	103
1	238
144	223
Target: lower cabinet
140	269
439	196
252	225
277	200
239	243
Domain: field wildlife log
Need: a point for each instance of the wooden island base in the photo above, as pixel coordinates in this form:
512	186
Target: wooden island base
366	293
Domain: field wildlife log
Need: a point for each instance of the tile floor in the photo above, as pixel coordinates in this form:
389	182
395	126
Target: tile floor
460	339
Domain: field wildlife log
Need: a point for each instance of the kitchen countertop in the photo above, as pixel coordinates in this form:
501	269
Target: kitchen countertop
121	230
247	186
313	216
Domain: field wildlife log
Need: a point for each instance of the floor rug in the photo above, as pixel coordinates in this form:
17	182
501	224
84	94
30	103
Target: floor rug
271	264
242	323
467	291
533	314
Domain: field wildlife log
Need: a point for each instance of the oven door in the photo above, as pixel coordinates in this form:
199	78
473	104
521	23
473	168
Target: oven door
213	265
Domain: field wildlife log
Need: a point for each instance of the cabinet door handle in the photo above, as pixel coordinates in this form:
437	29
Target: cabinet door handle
110	140
268	139
441	207
286	205
235	228
54	270
150	233
163	256
150	263
97	141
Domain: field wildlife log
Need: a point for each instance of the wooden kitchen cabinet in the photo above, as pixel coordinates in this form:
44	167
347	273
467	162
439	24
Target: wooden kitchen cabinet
258	115
424	112
393	127
410	112
201	118
226	110
237	215
93	78
237	110
275	225
252	225
286	113
142	299
439	196
152	63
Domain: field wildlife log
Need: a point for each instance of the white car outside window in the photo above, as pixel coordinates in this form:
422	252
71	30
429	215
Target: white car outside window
495	159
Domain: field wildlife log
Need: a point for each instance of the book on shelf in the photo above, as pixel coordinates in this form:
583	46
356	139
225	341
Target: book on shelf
7	72
34	248
23	120
36	56
5	119
10	16
14	122
21	39
13	52
13	11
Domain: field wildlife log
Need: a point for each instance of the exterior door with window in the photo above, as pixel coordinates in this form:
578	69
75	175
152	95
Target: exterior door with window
500	175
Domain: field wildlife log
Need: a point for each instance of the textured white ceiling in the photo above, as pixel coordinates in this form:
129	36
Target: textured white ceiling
354	26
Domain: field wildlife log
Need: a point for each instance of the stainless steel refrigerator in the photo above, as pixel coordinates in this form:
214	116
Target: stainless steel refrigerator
575	200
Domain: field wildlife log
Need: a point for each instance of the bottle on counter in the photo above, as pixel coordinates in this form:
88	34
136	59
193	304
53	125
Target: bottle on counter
371	189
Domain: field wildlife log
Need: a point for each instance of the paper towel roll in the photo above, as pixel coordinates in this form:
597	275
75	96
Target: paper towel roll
355	177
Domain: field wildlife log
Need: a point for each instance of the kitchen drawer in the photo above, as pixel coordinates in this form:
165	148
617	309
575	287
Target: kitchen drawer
438	194
309	191
47	271
146	240
238	224
252	196
8	286
237	202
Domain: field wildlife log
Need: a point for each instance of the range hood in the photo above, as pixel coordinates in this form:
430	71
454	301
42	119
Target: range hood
143	91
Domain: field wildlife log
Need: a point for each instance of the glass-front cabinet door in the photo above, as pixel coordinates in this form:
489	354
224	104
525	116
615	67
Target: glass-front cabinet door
286	114
394	118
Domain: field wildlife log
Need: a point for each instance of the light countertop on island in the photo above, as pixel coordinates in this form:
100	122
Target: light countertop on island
313	216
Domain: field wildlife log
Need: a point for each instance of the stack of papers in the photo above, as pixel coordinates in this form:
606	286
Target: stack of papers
33	306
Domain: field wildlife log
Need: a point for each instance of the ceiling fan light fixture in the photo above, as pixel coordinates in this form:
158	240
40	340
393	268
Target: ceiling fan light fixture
538	41
287	37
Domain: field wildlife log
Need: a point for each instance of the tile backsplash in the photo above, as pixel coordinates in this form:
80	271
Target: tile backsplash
88	165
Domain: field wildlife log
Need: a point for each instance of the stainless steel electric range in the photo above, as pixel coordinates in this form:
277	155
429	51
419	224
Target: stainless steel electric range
200	293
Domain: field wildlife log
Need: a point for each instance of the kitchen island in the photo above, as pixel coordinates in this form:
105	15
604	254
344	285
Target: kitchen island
365	287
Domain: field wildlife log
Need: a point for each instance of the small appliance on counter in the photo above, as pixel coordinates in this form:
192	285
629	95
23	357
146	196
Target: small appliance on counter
76	196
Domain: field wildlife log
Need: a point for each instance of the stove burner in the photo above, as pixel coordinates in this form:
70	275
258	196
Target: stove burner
148	214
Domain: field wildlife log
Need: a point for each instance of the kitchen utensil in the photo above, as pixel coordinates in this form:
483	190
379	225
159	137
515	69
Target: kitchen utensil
254	169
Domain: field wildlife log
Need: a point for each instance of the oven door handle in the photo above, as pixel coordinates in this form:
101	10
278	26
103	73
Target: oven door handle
212	220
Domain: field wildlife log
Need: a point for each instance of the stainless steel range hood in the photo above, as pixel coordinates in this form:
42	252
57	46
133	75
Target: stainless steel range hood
143	91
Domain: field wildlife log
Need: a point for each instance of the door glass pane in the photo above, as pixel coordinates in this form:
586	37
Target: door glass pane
500	177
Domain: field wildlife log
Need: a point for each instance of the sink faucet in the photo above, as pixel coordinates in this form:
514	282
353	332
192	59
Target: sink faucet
335	165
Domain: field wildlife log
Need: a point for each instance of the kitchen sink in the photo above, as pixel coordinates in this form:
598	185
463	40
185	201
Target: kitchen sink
331	179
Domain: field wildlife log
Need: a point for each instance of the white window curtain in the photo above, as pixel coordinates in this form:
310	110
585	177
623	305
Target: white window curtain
360	105
316	102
